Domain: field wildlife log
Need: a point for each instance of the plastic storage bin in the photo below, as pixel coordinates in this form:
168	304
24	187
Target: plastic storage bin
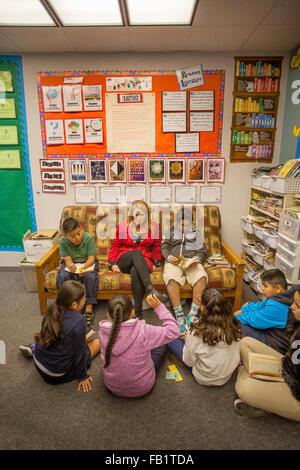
259	231
270	240
247	225
268	265
29	275
266	182
285	185
291	245
290	226
247	247
288	256
292	273
256	180
258	257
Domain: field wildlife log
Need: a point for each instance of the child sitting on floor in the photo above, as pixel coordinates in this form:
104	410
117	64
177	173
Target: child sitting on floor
60	351
264	320
212	345
77	246
132	351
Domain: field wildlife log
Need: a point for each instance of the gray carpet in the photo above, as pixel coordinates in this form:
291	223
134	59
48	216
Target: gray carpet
174	416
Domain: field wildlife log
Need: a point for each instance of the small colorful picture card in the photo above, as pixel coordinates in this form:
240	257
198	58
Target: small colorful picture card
93	131
9	135
74	131
172	375
51	164
173	368
54	131
136	170
176	170
117	170
52	99
215	170
72	98
195	170
92	97
53	175
78	171
53	187
157	170
97	171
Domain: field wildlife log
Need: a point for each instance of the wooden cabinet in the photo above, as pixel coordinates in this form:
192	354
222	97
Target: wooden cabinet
255	106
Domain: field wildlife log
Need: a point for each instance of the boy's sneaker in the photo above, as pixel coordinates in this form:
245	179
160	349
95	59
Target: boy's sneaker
27	350
89	319
248	411
181	323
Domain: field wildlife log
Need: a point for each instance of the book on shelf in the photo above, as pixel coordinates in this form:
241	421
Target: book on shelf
286	169
265	367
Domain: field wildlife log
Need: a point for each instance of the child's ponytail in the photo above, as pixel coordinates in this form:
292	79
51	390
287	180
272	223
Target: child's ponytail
217	322
119	309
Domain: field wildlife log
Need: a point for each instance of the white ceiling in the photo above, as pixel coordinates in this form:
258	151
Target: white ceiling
252	26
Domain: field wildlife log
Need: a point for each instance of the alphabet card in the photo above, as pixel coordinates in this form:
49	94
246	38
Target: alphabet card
55	131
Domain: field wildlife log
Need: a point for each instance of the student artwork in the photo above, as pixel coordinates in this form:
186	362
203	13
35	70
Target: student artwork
136	170
195	170
117	170
176	170
9	135
52	99
78	171
93	130
128	83
92	97
215	170
6	81
157	170
74	131
72	98
55	132
97	171
53	175
7	108
51	164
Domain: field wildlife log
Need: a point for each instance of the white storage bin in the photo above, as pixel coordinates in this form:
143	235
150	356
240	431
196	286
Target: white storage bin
292	274
285	185
247	225
288	256
258	257
268	265
290	226
266	182
246	275
270	240
247	247
29	275
289	244
259	231
256	180
255	283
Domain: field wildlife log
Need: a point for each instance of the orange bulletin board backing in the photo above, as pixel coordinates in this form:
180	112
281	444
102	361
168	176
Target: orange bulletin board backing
162	80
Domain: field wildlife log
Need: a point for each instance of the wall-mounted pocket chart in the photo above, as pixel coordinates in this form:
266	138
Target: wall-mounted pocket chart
16	197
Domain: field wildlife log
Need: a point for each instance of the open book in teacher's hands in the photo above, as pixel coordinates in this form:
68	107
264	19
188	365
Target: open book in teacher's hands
186	262
265	367
79	269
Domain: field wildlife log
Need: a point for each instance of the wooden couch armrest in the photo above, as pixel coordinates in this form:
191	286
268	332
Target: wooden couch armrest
231	255
50	259
47	263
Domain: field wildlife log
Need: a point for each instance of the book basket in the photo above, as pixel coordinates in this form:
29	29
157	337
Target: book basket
285	185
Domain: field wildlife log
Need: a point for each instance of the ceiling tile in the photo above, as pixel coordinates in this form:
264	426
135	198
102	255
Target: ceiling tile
39	39
223	38
273	38
7	46
231	12
159	38
97	38
284	12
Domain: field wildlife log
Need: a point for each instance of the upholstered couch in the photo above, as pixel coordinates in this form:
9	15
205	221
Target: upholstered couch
101	223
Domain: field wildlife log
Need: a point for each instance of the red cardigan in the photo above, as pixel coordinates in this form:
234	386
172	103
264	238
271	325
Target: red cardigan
150	246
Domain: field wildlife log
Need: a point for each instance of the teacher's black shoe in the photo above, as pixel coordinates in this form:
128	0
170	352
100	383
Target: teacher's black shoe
151	290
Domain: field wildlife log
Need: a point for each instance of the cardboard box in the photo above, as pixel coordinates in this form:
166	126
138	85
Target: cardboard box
37	244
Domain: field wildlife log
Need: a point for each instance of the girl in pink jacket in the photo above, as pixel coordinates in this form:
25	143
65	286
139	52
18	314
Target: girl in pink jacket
131	350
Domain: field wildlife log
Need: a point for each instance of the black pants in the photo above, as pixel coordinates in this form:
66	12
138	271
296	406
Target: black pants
134	263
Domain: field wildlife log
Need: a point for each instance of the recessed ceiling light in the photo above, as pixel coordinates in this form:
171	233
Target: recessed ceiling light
158	12
88	12
24	13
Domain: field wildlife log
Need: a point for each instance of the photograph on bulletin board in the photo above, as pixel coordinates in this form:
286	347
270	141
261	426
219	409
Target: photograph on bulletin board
112	113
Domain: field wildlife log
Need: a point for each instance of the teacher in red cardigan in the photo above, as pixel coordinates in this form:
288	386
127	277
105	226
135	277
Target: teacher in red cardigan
135	249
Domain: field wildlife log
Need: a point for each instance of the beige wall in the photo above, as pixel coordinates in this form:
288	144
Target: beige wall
235	191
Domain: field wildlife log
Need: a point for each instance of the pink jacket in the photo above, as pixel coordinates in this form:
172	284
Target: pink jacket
131	370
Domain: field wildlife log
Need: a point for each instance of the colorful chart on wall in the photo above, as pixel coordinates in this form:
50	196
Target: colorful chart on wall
129	113
16	198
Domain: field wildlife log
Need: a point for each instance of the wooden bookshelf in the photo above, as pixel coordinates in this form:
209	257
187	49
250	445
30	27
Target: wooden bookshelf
254	110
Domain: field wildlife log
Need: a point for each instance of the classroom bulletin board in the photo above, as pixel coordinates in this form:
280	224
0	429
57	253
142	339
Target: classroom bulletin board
156	83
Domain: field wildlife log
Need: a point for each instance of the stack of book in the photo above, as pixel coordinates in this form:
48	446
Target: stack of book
290	169
218	260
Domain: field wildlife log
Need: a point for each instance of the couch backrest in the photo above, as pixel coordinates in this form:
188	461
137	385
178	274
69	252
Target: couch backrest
101	222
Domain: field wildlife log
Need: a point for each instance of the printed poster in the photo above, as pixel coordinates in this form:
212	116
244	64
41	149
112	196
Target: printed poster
54	131
74	131
52	99
72	98
92	97
93	131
